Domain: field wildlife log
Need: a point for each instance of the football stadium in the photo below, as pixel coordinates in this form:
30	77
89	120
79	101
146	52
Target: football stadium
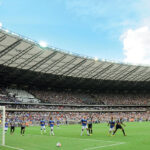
51	99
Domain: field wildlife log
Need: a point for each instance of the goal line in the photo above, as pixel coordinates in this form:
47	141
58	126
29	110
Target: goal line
11	147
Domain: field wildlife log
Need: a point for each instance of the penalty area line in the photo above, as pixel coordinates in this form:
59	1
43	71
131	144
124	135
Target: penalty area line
12	147
98	140
98	147
90	139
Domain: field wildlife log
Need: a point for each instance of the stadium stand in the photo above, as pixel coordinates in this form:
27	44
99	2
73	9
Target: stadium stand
22	96
15	95
88	98
38	82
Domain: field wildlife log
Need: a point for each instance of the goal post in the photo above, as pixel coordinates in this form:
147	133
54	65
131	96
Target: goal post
2	125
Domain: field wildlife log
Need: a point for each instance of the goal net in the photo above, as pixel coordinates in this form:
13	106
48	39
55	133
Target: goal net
2	125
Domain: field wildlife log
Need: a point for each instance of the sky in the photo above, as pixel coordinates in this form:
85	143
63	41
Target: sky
115	30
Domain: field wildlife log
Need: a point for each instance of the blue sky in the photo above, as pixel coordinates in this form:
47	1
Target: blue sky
106	29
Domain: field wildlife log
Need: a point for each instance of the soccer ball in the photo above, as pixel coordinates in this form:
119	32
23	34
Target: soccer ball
58	144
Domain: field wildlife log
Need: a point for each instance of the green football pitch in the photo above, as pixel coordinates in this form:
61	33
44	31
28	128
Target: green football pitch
138	138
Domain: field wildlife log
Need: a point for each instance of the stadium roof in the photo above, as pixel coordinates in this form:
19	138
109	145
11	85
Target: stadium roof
19	52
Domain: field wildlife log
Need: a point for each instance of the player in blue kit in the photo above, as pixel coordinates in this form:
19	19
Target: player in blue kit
6	126
42	124
84	125
111	123
58	122
51	124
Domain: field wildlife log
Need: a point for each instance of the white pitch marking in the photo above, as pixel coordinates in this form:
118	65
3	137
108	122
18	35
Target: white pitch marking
89	139
103	146
78	138
13	147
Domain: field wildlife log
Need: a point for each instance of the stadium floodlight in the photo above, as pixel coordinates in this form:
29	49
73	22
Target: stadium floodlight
14	34
43	44
6	30
96	59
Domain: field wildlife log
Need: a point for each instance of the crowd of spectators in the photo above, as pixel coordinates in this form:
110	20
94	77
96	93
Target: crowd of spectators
57	97
75	117
75	98
101	99
123	99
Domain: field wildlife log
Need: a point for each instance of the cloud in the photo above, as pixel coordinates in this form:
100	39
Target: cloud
130	19
136	45
1	25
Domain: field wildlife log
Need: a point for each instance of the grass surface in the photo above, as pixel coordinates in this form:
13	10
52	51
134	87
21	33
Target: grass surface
138	138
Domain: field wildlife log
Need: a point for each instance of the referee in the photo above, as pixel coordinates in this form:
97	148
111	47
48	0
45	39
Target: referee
23	125
12	127
90	126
